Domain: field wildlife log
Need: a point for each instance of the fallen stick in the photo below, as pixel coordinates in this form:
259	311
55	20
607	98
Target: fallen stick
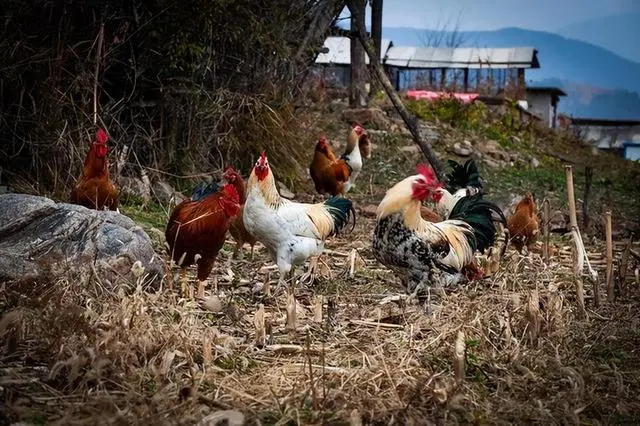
377	324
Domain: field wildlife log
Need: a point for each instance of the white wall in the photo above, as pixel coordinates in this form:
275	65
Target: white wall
540	105
608	136
632	153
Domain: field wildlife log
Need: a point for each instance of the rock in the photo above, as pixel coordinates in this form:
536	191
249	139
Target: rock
131	186
492	163
157	239
559	222
164	193
535	163
459	150
368	117
491	148
369	210
44	241
466	144
284	191
411	149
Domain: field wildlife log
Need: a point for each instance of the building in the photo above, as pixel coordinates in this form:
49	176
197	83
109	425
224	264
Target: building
543	102
481	70
619	136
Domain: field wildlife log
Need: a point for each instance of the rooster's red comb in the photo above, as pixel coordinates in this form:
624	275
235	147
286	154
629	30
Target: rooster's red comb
101	136
428	173
358	128
231	193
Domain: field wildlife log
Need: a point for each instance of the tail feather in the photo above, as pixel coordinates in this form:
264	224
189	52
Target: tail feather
340	210
481	215
204	189
463	176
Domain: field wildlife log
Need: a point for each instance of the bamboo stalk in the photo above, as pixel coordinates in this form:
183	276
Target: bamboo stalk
571	197
459	357
609	271
545	224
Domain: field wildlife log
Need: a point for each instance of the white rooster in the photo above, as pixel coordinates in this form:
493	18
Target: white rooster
292	232
353	155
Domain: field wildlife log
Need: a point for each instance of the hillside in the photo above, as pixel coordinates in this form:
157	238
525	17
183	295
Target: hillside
617	33
570	61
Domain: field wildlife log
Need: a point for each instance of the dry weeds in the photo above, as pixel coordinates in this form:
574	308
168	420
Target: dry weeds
360	354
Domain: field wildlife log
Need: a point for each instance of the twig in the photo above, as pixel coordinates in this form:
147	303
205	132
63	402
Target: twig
377	324
97	74
609	271
545	227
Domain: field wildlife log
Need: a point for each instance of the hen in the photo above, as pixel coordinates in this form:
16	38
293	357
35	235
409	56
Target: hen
523	224
358	145
237	229
196	232
423	253
329	175
292	232
94	189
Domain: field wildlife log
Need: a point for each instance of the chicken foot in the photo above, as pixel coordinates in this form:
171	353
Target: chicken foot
185	287
310	275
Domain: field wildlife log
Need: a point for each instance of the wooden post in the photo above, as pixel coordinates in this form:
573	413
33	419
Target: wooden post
466	80
521	84
376	33
588	177
357	95
573	219
443	78
545	224
409	120
623	265
609	271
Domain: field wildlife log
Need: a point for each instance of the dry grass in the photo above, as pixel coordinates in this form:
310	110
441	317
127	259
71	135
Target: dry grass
84	356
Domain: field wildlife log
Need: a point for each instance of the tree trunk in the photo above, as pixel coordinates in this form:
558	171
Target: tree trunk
376	34
324	15
357	93
410	121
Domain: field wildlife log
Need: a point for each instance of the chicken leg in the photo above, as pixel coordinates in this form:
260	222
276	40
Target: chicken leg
310	275
184	283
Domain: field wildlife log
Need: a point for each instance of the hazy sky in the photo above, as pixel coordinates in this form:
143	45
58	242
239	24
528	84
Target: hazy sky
545	15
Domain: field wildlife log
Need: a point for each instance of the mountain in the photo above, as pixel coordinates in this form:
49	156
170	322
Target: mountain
617	33
572	63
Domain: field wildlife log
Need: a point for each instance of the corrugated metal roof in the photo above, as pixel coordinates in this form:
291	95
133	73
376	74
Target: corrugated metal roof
340	51
462	57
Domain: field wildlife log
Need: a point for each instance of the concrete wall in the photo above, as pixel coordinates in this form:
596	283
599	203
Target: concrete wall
540	105
608	136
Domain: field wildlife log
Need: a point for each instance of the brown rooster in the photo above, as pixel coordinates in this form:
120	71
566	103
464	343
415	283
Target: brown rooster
237	229
94	189
523	224
329	174
196	232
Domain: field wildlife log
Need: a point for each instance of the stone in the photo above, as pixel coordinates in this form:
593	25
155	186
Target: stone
369	210
492	163
461	151
559	222
44	241
466	144
164	193
410	149
367	117
284	191
131	186
535	163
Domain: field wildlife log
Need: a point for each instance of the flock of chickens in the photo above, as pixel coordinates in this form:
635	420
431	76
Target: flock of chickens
424	247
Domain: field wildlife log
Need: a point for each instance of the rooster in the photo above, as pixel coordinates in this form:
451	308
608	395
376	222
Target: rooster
461	181
358	144
196	232
292	232
523	224
237	230
94	189
422	252
329	175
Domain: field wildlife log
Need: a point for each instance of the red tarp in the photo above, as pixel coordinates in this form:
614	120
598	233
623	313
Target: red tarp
465	98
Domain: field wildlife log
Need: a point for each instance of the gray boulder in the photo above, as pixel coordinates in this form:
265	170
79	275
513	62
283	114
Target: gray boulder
44	241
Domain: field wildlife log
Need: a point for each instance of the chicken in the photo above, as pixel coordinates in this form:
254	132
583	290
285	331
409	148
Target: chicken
523	224
461	181
196	232
237	229
357	140
94	189
423	253
328	174
292	232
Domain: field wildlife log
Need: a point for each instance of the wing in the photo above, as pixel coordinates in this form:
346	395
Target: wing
295	218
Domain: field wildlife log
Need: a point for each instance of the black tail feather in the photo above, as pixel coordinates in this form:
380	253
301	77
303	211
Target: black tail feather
463	176
481	215
204	189
341	209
